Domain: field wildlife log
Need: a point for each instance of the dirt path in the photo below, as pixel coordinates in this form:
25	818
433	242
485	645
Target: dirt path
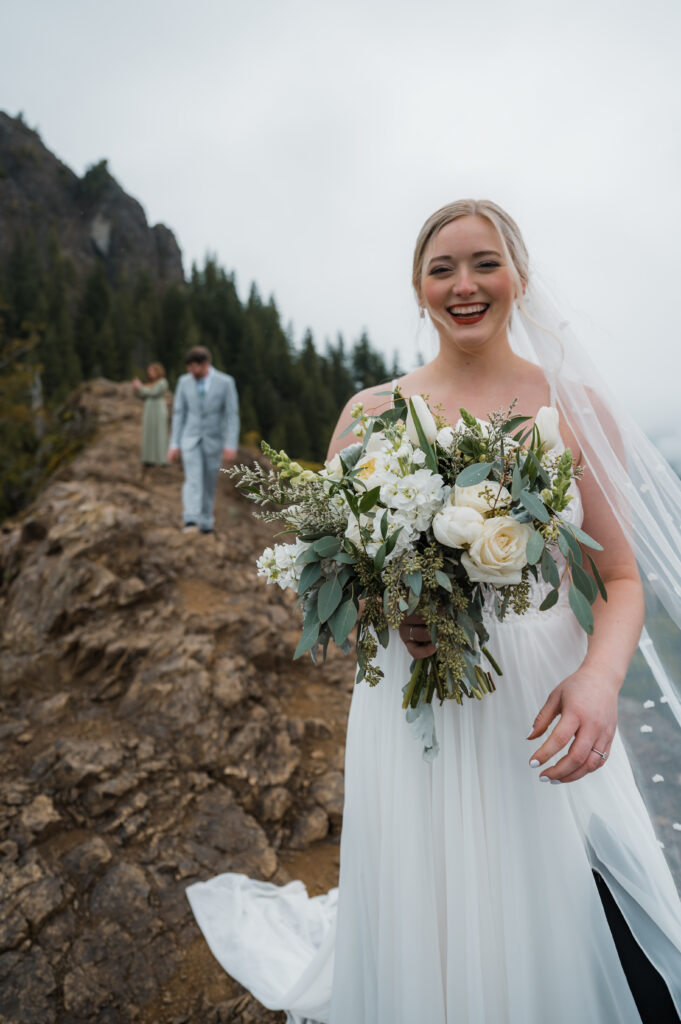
154	731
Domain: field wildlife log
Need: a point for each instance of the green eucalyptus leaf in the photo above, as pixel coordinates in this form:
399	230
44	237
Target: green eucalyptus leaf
549	569
330	596
582	609
474	474
572	543
308	576
598	578
308	638
584	538
414	581
379	557
535	547
549	601
307	556
518	482
327	546
534	505
342	621
443	579
585	583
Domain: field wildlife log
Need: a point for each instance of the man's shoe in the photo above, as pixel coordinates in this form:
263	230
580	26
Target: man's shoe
207	529
190	528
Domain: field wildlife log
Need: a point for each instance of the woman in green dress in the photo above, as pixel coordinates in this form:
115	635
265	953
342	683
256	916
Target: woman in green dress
155	419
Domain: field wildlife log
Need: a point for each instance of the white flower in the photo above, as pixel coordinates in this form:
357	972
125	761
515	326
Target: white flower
333	468
546	423
278	564
498	554
425	418
376	442
445	438
482	497
417	495
419	457
457	527
373	471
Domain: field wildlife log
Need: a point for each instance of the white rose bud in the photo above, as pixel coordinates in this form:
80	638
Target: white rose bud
498	554
457	527
482	497
445	438
426	420
546	423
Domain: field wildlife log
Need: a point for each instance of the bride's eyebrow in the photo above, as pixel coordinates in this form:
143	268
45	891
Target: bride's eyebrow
476	255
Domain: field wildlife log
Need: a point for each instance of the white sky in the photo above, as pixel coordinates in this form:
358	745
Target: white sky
304	142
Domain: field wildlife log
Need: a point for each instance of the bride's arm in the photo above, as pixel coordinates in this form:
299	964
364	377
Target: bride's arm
587	700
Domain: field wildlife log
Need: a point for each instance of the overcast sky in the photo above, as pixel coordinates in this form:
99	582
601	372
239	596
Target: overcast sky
305	141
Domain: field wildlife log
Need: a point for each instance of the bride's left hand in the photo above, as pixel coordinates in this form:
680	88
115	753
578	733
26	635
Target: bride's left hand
587	704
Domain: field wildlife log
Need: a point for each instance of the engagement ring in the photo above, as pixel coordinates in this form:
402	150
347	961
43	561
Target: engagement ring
600	754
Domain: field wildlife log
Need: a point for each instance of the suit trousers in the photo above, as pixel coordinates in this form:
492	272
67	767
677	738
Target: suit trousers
201	470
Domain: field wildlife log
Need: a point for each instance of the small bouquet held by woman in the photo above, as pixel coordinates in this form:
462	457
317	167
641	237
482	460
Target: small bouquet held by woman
420	517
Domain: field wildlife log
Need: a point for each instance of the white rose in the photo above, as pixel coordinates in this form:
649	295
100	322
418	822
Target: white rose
482	497
457	527
425	418
445	438
334	470
498	554
546	423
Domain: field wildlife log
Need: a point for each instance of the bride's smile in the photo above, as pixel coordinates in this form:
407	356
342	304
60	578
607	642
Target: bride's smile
467	288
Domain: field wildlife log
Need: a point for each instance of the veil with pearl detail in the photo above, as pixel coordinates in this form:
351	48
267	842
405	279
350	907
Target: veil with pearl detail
644	494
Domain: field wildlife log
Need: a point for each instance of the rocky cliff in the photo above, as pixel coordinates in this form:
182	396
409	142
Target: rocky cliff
154	730
92	217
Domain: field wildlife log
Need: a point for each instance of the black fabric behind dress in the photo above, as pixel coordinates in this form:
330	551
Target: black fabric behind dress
647	986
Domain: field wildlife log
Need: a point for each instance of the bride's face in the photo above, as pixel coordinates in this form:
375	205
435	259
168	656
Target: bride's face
467	287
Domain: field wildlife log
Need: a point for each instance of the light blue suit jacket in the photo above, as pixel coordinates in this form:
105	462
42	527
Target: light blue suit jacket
212	422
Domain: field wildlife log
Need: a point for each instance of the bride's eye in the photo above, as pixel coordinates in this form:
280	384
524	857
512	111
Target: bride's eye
488	264
440	270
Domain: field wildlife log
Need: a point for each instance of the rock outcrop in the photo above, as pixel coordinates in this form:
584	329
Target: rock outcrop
92	218
154	731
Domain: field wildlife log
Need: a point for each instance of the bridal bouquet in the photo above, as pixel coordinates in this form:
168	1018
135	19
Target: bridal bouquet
417	516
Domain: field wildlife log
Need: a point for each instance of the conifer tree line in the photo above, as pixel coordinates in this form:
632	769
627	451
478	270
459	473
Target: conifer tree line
57	330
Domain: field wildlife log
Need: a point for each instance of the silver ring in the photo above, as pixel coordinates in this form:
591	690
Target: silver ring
411	634
600	753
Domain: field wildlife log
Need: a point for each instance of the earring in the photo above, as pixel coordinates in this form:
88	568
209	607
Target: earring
422	312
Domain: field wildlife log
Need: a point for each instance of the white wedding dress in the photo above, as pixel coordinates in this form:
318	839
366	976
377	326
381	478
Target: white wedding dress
466	891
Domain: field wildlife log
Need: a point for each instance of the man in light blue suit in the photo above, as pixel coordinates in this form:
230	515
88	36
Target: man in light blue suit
205	430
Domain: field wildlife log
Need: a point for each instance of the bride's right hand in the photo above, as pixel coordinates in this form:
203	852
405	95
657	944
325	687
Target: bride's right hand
415	636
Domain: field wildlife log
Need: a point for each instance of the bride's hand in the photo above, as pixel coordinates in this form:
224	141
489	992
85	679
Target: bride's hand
416	636
587	704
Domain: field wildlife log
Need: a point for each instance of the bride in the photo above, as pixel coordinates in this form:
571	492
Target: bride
516	878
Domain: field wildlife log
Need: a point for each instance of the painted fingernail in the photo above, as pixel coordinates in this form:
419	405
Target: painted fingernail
544	778
529	734
555	782
534	763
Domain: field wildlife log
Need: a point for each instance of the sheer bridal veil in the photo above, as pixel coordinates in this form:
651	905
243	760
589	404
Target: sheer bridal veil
644	494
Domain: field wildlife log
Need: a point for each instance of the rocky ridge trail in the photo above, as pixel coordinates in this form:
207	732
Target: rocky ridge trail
154	731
